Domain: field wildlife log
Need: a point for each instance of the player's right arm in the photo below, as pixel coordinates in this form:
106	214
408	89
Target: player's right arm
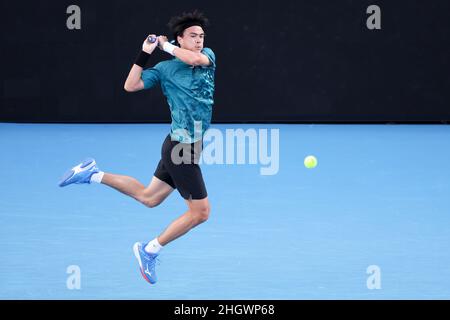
134	82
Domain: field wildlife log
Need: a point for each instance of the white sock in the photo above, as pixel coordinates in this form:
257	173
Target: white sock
153	246
97	177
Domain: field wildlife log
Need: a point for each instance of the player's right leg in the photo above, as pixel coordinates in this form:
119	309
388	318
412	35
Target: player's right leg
81	173
151	196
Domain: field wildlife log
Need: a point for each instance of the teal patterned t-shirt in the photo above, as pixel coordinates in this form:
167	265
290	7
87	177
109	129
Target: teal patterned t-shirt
189	91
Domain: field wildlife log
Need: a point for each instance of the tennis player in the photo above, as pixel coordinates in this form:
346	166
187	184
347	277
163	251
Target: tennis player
187	81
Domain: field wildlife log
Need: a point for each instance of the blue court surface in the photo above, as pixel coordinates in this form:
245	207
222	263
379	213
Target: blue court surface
379	199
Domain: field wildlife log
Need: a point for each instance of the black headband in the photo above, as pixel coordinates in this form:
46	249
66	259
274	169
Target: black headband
188	25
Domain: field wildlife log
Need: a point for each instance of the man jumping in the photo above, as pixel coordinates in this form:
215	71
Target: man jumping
187	81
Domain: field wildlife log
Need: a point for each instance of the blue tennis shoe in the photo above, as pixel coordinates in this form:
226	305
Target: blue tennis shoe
81	173
146	262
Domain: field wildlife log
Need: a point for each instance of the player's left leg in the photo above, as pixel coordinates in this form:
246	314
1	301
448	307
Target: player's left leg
198	213
146	254
187	178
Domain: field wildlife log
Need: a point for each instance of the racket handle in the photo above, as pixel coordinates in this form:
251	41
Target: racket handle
151	39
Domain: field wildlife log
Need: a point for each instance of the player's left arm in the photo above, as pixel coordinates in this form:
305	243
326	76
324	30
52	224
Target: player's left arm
187	56
191	58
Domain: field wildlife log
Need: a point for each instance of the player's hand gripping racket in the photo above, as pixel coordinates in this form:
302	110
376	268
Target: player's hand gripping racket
153	40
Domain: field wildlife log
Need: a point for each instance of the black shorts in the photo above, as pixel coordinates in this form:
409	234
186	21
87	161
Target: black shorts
182	171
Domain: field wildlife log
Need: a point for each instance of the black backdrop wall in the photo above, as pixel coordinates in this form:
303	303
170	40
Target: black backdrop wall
310	61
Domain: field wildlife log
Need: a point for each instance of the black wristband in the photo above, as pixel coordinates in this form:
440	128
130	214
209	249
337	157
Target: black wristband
142	59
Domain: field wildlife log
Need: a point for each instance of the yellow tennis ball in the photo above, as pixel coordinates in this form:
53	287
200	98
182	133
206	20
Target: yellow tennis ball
310	162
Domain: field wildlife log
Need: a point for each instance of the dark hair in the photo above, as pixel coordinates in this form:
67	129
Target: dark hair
178	24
